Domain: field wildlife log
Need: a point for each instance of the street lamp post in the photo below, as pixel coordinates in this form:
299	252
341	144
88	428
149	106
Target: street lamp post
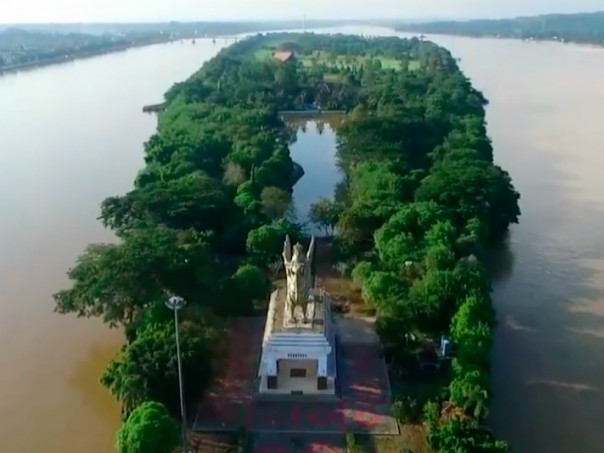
176	303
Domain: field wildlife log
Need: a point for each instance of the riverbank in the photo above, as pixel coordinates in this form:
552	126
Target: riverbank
83	55
505	37
575	28
64	104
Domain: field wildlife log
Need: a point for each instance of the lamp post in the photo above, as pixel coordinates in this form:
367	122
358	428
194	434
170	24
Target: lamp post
176	303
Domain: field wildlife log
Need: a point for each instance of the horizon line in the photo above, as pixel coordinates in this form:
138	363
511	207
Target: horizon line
295	19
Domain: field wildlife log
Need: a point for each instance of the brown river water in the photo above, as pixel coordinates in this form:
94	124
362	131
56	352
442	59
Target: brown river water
71	135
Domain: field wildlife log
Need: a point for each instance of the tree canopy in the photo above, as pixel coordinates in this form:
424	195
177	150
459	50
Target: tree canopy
148	428
145	369
206	218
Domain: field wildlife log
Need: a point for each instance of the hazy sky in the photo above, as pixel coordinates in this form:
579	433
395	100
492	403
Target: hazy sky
12	11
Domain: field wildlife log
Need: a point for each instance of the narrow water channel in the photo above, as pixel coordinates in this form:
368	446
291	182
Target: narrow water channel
315	151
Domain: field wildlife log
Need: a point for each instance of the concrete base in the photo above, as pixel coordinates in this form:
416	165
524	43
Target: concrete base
297	377
287	385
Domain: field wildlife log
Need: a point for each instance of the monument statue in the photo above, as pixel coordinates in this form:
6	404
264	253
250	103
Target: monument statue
299	278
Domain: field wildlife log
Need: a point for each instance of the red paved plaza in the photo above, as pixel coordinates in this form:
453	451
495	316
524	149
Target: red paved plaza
363	407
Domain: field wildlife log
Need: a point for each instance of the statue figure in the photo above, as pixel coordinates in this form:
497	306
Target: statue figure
299	277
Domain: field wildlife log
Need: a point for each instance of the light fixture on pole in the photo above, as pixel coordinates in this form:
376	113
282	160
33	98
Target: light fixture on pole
176	303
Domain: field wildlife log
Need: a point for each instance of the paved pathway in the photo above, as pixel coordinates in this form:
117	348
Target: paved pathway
282	443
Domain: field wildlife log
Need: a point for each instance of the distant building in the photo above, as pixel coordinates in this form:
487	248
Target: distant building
284	56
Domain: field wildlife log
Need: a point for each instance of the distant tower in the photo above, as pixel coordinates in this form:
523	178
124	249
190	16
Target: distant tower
304	24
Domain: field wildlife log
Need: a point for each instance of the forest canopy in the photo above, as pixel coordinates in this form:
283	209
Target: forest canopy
420	201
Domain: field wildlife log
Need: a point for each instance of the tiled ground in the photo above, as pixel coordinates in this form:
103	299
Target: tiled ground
227	406
212	443
363	408
281	443
365	390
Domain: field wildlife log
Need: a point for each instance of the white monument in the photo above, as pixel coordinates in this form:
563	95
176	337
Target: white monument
298	348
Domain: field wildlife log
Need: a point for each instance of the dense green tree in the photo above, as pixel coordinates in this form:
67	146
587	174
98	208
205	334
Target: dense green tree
375	182
248	199
146	368
473	189
383	290
462	435
246	287
361	272
433	298
149	428
278	170
419	200
403	239
265	244
118	281
192	201
357	225
325	214
275	202
470	392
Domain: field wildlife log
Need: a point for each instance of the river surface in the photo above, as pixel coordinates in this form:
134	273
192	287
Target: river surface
545	122
71	135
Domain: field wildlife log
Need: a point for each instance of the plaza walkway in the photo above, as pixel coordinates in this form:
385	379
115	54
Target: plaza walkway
363	407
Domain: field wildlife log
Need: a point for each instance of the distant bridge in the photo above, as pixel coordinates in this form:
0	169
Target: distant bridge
217	38
223	38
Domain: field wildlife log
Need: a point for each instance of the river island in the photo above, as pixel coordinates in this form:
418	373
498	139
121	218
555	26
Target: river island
420	203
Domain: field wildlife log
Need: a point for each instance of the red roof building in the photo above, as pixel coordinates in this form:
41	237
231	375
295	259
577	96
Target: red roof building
284	56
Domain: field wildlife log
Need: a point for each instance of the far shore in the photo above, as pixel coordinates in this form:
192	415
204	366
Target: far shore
504	37
126	46
114	49
80	56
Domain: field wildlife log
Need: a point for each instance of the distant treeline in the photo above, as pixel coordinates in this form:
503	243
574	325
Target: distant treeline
30	45
585	28
204	27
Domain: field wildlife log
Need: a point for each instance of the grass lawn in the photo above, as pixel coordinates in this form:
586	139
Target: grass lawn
318	57
340	288
412	438
269	46
414	65
346	60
